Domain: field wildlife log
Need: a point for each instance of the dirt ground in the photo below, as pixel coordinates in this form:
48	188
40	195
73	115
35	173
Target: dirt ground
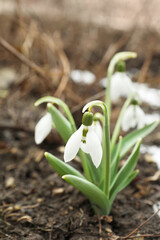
35	203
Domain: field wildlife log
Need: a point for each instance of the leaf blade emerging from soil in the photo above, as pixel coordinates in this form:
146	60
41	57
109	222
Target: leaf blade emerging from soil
91	191
61	167
126	171
129	140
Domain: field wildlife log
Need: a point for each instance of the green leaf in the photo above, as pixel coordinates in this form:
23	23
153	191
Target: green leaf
115	161
129	140
92	192
61	167
124	185
126	169
119	122
63	105
62	125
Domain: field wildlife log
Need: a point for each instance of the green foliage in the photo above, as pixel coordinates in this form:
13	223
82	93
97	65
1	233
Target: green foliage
100	185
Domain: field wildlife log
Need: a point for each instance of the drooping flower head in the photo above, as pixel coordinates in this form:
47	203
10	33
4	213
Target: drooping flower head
133	116
86	139
121	84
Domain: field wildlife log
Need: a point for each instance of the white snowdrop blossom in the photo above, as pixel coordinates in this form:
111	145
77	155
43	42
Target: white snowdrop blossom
121	86
97	129
43	128
133	116
86	139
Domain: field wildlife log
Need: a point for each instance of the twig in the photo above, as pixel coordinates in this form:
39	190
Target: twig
22	58
142	224
143	235
64	61
100	228
149	54
114	47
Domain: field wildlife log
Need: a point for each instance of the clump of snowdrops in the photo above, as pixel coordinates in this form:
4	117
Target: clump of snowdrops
100	153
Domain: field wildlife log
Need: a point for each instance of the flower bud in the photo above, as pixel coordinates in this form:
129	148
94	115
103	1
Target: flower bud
87	119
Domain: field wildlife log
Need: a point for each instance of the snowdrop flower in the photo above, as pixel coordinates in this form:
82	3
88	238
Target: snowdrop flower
121	86
133	116
43	128
86	139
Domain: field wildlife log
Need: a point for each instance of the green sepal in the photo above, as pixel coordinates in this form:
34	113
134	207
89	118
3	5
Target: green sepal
97	198
126	170
61	167
62	125
129	140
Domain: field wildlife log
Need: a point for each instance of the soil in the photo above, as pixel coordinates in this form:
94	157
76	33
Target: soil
35	203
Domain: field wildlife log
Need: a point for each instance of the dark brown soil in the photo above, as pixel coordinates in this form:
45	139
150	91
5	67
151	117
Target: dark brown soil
35	203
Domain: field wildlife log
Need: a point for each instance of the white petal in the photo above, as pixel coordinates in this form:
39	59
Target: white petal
129	120
140	116
97	128
43	128
134	116
94	147
83	146
73	145
127	85
121	85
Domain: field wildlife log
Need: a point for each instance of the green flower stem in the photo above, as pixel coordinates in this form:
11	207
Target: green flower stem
106	142
116	58
119	121
107	161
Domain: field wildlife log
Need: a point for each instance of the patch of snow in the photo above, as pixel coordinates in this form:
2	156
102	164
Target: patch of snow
149	118
151	96
85	77
156	207
154	151
7	77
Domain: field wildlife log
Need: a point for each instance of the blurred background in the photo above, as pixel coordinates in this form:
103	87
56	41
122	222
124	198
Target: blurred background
41	43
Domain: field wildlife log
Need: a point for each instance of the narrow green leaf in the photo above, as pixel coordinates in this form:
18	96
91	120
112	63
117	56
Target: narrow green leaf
62	125
119	122
115	161
124	185
91	191
129	140
61	167
126	169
